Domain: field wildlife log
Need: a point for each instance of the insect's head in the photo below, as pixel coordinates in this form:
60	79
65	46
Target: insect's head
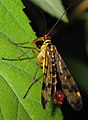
42	41
46	39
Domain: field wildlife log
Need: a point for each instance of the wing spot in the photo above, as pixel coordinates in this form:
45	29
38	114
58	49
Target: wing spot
43	86
61	73
49	85
46	67
65	77
78	93
43	102
68	76
65	68
53	64
45	74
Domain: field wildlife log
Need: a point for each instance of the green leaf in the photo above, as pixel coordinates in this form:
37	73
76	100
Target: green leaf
17	76
53	7
13	22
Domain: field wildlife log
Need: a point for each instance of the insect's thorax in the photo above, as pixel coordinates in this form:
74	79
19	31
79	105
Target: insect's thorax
43	50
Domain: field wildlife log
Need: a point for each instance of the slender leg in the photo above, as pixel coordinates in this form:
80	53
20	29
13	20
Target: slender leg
20	57
32	43
34	81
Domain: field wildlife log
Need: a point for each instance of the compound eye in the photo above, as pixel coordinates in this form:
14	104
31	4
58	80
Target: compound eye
47	37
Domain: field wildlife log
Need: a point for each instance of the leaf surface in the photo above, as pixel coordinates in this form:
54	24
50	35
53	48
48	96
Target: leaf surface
53	7
17	76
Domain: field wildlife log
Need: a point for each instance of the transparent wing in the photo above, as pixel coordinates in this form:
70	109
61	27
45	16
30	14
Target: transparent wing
69	86
47	81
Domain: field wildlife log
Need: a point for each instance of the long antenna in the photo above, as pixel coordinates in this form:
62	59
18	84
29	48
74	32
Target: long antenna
58	20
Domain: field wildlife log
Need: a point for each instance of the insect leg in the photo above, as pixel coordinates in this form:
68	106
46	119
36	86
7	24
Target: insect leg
34	81
20	57
18	44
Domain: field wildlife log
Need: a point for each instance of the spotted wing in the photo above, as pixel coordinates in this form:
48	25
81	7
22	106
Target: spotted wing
47	82
69	86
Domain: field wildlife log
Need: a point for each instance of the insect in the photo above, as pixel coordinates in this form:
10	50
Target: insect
53	68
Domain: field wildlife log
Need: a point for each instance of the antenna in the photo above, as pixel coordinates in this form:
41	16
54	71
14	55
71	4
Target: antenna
58	20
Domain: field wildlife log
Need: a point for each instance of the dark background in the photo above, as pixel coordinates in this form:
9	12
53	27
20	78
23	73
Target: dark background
69	40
